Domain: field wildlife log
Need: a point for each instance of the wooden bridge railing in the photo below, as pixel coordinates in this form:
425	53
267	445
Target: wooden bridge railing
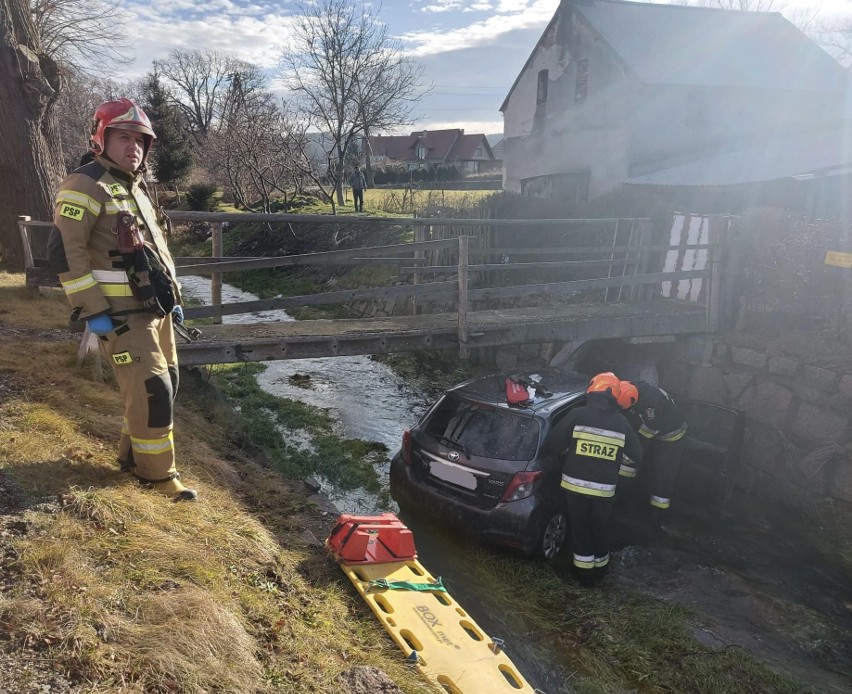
620	270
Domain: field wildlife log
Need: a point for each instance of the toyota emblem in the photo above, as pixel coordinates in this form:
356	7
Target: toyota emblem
452	455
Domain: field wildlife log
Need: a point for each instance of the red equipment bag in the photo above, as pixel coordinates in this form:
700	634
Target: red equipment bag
516	392
371	540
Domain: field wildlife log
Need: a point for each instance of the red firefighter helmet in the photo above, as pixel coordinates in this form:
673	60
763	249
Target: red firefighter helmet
606	382
628	395
122	114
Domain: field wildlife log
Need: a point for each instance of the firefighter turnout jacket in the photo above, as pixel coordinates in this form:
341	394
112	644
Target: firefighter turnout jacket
84	250
599	440
660	417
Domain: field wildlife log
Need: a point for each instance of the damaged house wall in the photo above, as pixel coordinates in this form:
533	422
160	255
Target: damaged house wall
598	101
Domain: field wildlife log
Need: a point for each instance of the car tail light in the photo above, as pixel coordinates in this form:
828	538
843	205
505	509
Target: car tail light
521	485
406	447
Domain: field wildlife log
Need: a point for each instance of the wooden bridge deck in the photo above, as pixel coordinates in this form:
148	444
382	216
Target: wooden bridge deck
231	343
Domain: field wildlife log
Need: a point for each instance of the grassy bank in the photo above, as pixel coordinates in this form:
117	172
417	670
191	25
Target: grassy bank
125	591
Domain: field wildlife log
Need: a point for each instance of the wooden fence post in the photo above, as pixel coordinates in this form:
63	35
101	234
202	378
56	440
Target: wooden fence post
216	277
464	250
717	236
417	277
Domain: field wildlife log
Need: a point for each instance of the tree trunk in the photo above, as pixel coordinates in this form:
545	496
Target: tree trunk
338	184
31	164
368	166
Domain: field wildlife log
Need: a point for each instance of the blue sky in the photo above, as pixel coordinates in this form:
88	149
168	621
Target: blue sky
471	50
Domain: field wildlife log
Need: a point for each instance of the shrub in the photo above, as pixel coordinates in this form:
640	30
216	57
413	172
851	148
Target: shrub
201	197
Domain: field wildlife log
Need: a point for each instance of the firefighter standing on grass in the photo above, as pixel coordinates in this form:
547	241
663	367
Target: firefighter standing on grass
108	248
661	423
596	439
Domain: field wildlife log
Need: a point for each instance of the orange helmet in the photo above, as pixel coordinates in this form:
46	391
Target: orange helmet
606	382
628	395
122	114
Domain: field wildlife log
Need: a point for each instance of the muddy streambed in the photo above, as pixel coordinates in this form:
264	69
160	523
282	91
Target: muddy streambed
753	577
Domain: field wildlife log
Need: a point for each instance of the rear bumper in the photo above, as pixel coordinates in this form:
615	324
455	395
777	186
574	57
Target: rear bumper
514	524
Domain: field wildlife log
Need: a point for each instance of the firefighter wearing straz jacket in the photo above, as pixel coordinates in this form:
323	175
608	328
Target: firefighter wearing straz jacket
118	275
661	424
596	439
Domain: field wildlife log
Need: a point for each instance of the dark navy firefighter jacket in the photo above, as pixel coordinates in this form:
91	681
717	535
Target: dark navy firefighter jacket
595	440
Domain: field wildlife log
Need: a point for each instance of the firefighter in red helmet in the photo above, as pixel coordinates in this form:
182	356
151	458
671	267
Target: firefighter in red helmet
107	246
594	439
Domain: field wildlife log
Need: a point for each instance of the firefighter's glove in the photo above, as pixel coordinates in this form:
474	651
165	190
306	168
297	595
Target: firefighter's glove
177	315
100	325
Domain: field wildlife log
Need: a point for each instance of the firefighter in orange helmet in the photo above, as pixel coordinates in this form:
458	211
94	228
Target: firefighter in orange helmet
659	421
595	439
108	248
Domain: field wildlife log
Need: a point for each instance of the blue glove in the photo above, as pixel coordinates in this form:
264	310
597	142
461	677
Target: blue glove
177	314
100	325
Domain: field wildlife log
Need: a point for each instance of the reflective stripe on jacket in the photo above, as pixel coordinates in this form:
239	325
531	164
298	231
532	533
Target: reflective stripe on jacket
83	245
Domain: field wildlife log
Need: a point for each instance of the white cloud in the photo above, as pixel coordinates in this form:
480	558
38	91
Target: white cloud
443	6
248	31
526	15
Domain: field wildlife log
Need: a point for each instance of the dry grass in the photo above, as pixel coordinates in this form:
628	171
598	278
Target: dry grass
125	591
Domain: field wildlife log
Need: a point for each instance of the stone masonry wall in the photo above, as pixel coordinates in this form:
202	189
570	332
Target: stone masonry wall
797	437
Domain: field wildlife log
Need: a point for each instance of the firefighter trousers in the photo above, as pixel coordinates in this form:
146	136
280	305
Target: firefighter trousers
143	356
664	457
590	518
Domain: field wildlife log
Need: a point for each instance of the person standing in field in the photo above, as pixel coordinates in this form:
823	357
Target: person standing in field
109	251
358	183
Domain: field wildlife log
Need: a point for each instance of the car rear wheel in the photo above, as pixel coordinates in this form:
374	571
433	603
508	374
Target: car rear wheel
552	536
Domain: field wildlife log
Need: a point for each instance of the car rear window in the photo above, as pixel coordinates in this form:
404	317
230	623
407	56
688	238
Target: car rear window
482	430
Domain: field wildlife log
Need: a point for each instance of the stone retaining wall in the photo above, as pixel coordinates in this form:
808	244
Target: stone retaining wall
797	437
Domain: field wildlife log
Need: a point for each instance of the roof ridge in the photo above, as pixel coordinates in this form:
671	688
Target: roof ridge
693	8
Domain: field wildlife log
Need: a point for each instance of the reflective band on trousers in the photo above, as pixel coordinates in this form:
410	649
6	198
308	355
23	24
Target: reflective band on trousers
585	487
153	446
78	285
602	561
584	561
660	501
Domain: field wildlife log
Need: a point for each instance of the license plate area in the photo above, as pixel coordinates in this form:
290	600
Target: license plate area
452	474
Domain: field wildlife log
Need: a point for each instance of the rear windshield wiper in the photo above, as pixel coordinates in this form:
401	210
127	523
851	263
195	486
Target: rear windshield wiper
455	444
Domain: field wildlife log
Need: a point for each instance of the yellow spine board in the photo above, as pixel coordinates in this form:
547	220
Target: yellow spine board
452	651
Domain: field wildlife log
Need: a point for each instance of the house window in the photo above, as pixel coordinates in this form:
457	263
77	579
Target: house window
420	151
541	92
477	152
581	86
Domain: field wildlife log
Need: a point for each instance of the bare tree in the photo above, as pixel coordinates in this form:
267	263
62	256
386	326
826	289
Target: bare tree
85	35
348	75
30	156
206	84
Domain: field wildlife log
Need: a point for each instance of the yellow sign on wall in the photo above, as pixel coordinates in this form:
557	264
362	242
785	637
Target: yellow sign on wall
838	259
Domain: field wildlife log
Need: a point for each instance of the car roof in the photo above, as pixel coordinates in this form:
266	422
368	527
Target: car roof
491	389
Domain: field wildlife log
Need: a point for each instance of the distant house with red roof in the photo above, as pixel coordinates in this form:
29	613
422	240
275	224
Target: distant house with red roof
426	148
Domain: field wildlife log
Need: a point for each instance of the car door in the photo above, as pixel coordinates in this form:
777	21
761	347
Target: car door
711	455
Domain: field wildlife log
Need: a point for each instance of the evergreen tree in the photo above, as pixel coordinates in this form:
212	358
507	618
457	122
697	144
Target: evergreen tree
172	157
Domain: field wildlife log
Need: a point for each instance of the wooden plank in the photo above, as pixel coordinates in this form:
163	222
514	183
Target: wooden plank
485	267
302	339
567	250
581	285
307	258
183	216
339	297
